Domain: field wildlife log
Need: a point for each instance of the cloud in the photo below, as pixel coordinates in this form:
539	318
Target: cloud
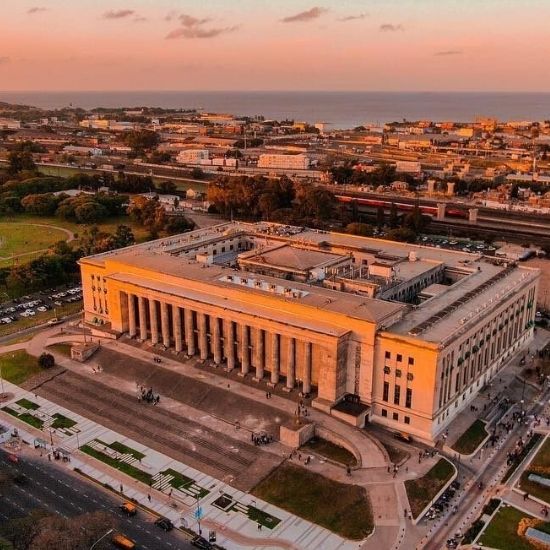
140	19
118	14
389	27
171	15
353	17
36	9
196	31
448	52
4	60
189	21
303	16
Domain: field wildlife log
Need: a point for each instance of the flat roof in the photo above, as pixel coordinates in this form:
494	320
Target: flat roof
481	283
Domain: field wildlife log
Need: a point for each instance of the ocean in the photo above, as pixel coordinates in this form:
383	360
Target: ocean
341	109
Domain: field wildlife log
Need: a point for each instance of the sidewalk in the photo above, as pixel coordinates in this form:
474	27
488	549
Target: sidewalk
235	528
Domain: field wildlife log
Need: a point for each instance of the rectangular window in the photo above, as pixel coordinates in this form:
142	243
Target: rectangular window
396	394
407	420
408	398
395	416
399	358
386	394
388	355
411	361
384	413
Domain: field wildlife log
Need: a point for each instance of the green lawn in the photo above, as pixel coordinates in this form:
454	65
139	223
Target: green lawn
18	366
540	465
180	481
265	519
344	509
26	404
62	421
25	417
330	450
125	450
502	534
535	439
124	467
422	490
22	238
471	439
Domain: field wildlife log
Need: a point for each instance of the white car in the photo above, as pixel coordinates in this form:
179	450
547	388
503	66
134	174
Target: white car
42	308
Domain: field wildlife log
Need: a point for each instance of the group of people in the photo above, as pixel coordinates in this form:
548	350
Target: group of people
261	439
148	396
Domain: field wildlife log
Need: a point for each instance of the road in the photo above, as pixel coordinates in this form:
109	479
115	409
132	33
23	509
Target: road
487	477
55	489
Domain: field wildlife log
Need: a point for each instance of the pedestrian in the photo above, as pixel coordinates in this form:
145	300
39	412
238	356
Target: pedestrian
148	497
389	467
259	526
121	488
348	471
405	513
525	496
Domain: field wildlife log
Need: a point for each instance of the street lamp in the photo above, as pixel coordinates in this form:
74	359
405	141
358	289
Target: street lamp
101	538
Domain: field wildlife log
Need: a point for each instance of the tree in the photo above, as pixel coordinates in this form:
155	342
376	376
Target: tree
90	212
380	217
402	234
124	236
141	140
394	218
19	161
46	360
357	228
197	173
42	205
167	187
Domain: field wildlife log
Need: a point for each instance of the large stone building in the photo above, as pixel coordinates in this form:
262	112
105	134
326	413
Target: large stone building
374	330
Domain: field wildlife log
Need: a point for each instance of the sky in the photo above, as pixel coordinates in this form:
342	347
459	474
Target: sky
394	45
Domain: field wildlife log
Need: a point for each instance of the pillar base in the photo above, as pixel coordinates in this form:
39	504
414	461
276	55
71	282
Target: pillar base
287	389
271	384
242	374
256	379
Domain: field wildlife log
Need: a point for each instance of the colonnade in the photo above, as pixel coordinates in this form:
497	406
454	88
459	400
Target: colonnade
236	344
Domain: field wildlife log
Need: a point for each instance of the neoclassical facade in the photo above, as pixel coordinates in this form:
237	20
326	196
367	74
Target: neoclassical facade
408	334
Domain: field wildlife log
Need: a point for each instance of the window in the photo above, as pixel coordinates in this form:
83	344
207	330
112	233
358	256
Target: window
408	398
388	355
396	394
395	416
386	393
398	373
384	413
411	361
410	376
387	370
407	420
399	358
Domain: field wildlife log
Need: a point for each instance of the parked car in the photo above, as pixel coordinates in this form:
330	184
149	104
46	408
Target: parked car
128	508
200	542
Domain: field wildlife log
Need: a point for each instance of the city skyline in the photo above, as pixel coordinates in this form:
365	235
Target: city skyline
300	45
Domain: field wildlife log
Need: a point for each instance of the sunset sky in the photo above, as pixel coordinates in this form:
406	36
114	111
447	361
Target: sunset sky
275	45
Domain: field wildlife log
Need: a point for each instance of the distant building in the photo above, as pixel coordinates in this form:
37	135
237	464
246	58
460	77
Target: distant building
9	124
285	162
193	156
408	167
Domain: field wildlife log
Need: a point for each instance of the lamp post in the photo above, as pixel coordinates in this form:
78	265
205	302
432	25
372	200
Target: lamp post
101	538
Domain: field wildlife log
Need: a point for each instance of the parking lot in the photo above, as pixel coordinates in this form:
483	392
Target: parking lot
465	245
17	309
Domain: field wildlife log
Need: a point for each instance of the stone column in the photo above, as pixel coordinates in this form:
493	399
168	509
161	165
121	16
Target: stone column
154	321
203	337
275	357
306	384
165	324
245	351
189	332
142	319
291	366
132	330
230	345
176	327
259	354
216	340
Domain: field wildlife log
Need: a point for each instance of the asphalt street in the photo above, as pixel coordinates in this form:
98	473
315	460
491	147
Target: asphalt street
451	526
55	489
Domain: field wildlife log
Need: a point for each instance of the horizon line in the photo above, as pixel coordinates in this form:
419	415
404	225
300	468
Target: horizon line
545	92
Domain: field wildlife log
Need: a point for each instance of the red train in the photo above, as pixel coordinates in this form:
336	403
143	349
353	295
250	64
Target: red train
428	210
